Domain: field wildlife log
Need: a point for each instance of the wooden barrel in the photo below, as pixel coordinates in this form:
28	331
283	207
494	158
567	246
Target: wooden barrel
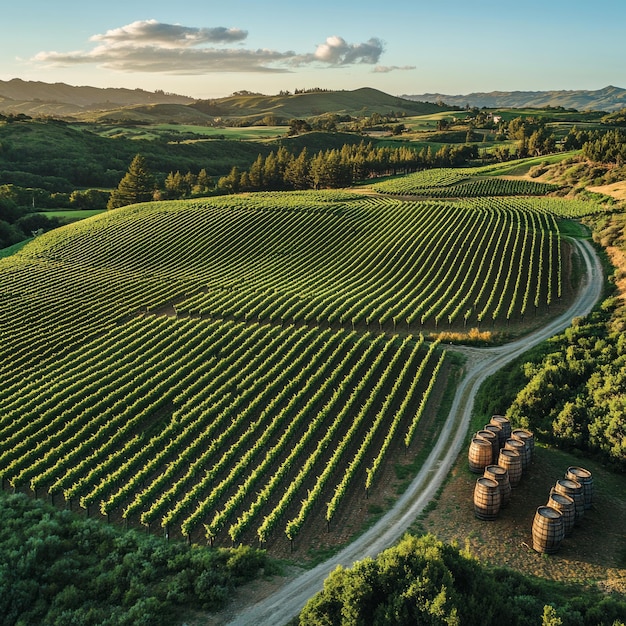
498	432
524	451
479	455
574	490
565	504
501	476
524	435
528	439
511	461
492	438
547	530
486	499
521	448
503	422
584	477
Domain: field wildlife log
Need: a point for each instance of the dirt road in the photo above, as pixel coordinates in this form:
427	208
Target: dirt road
286	603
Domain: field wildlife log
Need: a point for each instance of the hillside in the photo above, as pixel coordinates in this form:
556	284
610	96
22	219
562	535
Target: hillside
359	102
224	358
261	368
607	99
60	99
60	156
251	108
92	103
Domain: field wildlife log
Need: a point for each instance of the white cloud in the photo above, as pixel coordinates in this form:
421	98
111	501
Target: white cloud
151	46
384	69
171	60
337	51
151	32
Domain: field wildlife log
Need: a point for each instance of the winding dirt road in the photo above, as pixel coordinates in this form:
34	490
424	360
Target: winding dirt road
287	602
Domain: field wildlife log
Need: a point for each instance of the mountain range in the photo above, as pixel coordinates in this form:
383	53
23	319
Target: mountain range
607	99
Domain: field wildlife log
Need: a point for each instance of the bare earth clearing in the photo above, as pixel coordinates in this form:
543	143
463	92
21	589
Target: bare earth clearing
285	603
593	554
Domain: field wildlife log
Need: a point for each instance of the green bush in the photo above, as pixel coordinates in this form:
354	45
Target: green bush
56	568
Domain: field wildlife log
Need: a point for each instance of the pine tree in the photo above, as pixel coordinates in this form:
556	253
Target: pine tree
297	173
136	186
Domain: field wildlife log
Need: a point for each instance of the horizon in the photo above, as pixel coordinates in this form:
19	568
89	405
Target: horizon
267	94
415	48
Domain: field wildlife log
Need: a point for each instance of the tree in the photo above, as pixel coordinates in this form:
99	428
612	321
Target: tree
256	172
550	616
232	182
89	199
297	173
137	185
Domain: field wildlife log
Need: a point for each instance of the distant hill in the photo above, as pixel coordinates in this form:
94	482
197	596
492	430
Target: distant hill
59	99
358	102
251	108
608	99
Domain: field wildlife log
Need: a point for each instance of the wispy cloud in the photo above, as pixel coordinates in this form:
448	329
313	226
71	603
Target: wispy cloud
151	46
153	33
384	69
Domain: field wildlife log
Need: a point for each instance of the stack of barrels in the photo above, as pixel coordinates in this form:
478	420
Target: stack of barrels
567	502
501	454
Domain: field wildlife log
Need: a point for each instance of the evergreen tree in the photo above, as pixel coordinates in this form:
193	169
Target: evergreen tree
297	173
136	186
256	173
271	173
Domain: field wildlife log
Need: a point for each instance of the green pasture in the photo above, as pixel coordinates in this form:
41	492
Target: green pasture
237	133
169	131
553	114
71	214
6	252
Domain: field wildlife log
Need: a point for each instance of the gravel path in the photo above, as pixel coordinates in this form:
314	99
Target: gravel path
286	603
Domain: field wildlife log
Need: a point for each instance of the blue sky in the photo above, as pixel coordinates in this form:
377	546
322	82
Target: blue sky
212	49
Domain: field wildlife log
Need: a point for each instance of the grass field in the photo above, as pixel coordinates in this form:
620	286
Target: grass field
6	252
71	214
156	131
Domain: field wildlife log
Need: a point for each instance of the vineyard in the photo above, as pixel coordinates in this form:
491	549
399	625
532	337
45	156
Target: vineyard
240	368
461	183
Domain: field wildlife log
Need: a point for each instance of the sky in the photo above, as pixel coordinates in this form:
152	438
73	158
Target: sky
213	49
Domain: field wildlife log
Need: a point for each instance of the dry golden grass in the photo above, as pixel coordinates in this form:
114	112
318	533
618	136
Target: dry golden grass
618	259
472	336
615	190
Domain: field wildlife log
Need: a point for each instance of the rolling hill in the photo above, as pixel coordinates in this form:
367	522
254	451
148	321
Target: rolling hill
251	108
607	99
61	100
358	102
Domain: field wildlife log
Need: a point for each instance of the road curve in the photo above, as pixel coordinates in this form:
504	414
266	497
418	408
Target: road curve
286	603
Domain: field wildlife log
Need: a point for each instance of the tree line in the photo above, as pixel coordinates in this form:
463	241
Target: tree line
335	168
